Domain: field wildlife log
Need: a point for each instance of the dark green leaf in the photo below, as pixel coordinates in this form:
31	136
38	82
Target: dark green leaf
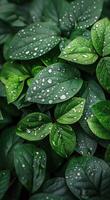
85	144
86	12
33	41
70	111
8	141
57	186
30	165
62	139
81	51
103	73
88	178
4	182
45	196
55	84
34	126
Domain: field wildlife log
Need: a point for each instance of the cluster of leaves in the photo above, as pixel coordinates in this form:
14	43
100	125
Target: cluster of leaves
54	99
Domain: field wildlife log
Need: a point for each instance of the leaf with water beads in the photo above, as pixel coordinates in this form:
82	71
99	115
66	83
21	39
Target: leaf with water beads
80	50
54	84
70	112
62	139
30	166
33	41
86	12
4	182
86	145
93	94
88	178
100	35
34	126
103	73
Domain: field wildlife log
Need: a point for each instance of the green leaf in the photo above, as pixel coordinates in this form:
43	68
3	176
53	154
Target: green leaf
34	126
33	41
4	182
97	128
101	110
13	76
70	112
88	178
61	13
1	116
85	144
54	84
103	73
45	196
107	154
80	50
86	12
57	186
8	141
100	37
5	31
62	139
93	94
30	165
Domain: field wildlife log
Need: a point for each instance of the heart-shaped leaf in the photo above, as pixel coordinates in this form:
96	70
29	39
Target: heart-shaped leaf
70	111
101	110
103	73
13	76
62	139
88	178
33	41
34	126
100	37
30	165
93	94
55	84
86	12
97	128
80	50
4	182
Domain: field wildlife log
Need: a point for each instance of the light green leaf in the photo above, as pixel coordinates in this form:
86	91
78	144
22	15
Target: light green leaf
70	111
103	73
34	126
88	178
4	182
100	37
101	110
80	50
13	76
55	84
93	93
86	12
97	128
62	139
33	41
30	165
